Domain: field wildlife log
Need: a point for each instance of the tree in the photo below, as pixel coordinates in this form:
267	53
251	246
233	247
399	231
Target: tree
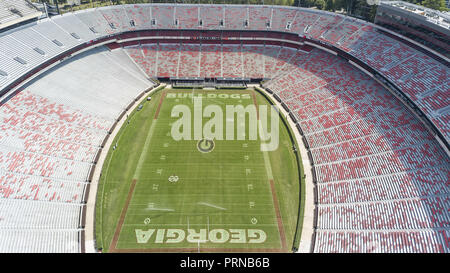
330	5
432	4
435	4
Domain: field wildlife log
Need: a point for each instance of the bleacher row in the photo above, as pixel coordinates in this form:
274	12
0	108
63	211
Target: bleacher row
210	61
40	240
423	241
11	10
380	174
51	131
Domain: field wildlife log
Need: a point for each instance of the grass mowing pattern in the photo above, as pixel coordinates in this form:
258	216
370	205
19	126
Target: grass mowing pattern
213	191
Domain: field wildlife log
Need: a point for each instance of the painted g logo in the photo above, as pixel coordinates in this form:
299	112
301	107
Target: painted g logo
205	145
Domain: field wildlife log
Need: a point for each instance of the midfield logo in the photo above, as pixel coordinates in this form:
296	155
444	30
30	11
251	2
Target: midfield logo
213	129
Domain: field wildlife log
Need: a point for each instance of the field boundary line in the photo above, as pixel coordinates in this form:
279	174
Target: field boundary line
159	105
256	104
272	186
115	239
278	213
190	249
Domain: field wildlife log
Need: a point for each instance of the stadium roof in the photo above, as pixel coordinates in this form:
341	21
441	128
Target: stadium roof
16	11
434	16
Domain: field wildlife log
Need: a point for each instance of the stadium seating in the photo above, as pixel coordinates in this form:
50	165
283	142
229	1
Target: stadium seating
139	15
377	167
116	18
50	133
40	240
11	10
189	61
260	17
163	16
282	17
212	16
232	61
381	175
211	61
253	59
168	57
186	17
428	240
235	17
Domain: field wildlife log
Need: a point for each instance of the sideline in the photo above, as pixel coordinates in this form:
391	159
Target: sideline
273	191
307	231
89	241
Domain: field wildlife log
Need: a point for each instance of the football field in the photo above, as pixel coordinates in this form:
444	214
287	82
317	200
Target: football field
158	193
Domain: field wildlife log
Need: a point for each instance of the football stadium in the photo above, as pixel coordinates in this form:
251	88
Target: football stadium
172	127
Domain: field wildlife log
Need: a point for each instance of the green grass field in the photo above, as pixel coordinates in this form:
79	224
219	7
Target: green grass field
158	194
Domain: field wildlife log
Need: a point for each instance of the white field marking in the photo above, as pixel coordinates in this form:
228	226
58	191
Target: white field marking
250	214
267	161
144	151
219	194
260	204
254	213
200	186
269	175
159	209
210	205
261	195
213	164
173	179
202	225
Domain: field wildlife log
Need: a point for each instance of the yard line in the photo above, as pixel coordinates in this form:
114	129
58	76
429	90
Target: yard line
210	205
144	152
159	106
122	217
200	224
156	209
